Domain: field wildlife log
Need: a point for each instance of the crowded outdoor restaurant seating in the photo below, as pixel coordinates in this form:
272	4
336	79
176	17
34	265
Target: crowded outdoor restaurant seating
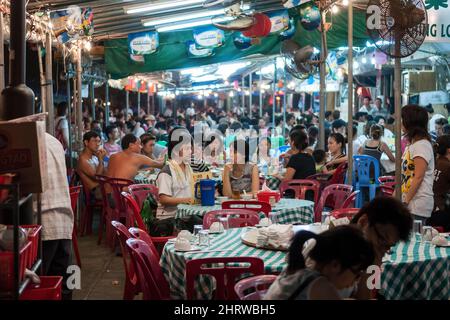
224	150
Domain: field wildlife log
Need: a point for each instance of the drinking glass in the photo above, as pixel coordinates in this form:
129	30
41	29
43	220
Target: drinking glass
197	229
225	223
427	233
417	229
203	238
273	217
325	216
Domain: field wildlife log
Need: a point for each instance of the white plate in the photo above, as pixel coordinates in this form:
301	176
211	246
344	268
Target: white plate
445	245
193	248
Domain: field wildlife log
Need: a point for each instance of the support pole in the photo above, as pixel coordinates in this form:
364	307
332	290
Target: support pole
250	99
350	93
127	103
138	102
274	92
284	106
107	103
398	126
42	81
243	93
92	98
79	101
49	84
323	56
260	93
69	120
2	52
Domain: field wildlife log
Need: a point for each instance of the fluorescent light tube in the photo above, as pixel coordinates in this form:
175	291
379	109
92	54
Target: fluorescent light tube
160	6
185	17
180	26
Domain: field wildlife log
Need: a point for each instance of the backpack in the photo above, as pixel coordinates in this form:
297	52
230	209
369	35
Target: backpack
59	134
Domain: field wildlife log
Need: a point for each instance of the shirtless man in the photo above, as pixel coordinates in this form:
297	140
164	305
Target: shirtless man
90	162
126	164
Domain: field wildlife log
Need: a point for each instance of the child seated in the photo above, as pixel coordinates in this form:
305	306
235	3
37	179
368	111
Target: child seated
320	158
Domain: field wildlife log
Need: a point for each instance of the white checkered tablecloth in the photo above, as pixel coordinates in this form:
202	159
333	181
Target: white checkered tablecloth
173	263
416	271
288	211
144	177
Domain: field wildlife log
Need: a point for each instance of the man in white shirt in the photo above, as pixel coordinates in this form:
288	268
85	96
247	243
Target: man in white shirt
57	216
367	107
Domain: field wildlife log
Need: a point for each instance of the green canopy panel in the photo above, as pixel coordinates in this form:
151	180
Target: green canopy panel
172	52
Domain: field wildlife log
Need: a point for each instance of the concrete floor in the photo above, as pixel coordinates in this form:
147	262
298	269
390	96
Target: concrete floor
102	272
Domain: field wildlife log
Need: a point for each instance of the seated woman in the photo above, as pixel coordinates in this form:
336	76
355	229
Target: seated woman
265	155
336	149
301	164
240	175
338	259
375	147
175	184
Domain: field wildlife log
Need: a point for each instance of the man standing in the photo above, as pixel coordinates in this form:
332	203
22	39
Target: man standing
125	164
367	107
57	216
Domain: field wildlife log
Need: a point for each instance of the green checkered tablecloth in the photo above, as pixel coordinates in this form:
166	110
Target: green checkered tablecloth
144	177
173	263
416	271
288	211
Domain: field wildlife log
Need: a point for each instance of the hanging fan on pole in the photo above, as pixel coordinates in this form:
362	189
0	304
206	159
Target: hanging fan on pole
233	17
300	62
401	27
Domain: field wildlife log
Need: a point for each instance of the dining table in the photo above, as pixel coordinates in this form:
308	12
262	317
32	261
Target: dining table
286	211
414	270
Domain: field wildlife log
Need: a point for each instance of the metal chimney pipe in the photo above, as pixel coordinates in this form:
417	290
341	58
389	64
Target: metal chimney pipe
17	98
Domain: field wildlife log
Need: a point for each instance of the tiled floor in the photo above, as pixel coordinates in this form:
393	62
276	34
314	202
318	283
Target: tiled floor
102	273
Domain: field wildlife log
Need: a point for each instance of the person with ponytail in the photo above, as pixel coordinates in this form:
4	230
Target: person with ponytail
441	186
335	260
375	147
336	149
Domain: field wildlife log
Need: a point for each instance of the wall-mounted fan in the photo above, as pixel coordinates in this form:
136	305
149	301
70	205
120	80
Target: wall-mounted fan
300	62
401	27
234	17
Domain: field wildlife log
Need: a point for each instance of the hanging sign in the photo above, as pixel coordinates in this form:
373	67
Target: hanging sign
194	52
143	43
438	21
72	23
279	20
208	37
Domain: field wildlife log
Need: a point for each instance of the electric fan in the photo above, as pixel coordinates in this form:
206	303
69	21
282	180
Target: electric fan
300	62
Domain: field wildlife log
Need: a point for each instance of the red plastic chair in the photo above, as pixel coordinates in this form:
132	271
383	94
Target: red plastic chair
326	179
344	212
135	218
334	194
237	218
74	196
350	201
119	212
132	286
144	236
141	191
153	284
257	285
225	270
300	187
107	212
257	206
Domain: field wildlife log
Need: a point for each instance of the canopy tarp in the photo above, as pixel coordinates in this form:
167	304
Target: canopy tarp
172	52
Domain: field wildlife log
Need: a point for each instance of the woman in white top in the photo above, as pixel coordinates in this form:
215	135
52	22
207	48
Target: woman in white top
417	163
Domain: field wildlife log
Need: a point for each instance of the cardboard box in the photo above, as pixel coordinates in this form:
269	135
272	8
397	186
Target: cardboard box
23	151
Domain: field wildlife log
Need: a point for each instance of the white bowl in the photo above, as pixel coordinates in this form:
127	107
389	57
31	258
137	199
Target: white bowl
216	227
182	244
185	234
247	197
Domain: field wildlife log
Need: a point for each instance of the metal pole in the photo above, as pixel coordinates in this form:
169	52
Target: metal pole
260	93
250	100
79	101
127	103
69	120
350	93
284	106
243	94
49	84
138	102
2	52
42	82
107	103
92	99
274	91
398	126
323	56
